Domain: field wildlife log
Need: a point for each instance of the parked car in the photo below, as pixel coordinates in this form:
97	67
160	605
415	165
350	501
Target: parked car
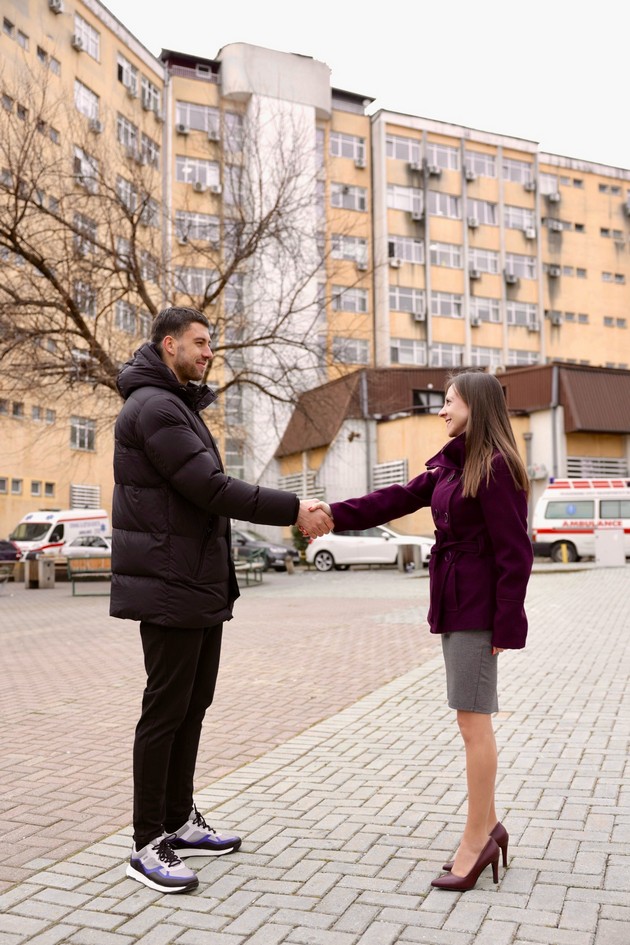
9	551
87	546
246	543
378	545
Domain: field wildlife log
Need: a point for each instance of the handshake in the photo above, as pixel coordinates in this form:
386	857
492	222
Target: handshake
314	518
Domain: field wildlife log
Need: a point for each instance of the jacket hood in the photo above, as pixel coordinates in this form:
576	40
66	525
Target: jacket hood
147	369
452	455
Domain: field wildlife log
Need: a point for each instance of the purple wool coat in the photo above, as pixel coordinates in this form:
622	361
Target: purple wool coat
482	557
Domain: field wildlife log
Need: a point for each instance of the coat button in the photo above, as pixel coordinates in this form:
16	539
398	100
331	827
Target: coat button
446	516
451	477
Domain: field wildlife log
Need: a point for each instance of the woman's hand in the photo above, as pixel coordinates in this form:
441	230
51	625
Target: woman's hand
496	650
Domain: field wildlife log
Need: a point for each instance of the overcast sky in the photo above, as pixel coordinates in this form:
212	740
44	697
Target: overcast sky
552	71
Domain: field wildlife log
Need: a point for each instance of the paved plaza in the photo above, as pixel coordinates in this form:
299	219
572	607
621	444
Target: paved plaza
330	749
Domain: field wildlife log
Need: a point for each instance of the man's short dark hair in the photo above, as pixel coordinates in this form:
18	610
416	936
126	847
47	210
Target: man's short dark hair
174	321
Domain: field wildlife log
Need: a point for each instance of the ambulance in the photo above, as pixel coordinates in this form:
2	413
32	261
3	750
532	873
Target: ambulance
570	510
45	531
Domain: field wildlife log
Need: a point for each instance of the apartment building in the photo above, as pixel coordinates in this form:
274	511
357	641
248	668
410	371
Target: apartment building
396	240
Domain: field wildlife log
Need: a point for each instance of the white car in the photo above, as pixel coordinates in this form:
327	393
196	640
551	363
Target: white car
377	545
86	546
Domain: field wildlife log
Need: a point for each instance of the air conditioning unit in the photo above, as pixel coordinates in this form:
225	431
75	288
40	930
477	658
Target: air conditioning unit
626	208
415	165
475	321
469	174
182	129
419	315
533	326
215	188
530	186
417	215
434	170
130	154
553	271
182	240
131	92
511	278
553	197
213	134
555	226
362	265
474	273
395	262
77	42
530	232
56	6
199	187
360	163
158	114
473	223
95	125
555	318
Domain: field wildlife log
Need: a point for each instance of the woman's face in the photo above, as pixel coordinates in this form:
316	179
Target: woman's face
455	412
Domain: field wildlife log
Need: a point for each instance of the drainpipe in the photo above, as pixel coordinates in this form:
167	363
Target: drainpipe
555	387
368	432
528	463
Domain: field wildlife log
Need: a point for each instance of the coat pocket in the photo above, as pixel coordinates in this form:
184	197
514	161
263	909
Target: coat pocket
450	596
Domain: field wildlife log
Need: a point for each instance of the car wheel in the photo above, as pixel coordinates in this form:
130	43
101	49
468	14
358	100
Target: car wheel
324	561
341	567
556	551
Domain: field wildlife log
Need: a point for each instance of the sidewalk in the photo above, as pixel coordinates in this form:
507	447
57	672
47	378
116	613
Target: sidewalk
345	824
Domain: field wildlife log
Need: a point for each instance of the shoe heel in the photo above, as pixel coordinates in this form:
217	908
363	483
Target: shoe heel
504	852
495	870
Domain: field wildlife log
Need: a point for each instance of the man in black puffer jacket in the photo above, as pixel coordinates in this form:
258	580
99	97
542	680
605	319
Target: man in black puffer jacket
172	570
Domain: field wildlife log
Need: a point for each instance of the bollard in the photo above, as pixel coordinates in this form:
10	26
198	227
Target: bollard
289	564
563	553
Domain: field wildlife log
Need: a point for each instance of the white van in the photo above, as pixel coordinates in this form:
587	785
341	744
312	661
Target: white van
570	510
46	530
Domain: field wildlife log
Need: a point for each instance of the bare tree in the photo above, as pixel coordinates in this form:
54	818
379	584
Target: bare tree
90	250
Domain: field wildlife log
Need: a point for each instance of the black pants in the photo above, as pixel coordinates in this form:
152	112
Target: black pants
182	667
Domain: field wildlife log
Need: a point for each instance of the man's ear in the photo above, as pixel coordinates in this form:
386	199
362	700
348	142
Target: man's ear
168	344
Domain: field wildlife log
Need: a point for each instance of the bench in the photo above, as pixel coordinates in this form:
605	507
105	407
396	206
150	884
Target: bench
251	567
89	569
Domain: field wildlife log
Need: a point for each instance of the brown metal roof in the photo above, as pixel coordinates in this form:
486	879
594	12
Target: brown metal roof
595	400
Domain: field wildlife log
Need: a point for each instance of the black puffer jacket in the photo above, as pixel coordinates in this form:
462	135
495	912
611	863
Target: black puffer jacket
171	557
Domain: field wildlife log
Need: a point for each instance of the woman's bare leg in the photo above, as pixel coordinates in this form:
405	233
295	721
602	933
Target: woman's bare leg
481	771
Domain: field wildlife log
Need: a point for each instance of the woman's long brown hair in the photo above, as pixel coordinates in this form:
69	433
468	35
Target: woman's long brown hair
488	430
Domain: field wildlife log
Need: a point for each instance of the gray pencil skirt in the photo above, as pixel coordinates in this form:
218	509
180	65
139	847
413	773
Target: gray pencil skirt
471	671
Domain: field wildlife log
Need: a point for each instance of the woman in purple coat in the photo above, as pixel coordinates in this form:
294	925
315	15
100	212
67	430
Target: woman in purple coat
480	564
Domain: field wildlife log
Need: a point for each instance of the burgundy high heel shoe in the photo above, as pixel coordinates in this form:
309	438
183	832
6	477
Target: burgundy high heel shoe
501	837
488	856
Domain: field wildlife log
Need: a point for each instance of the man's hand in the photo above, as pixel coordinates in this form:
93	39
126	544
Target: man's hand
314	518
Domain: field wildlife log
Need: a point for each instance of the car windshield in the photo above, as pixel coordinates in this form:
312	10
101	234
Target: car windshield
29	531
249	535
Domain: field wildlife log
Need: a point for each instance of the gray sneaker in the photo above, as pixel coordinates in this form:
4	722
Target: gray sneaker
197	838
158	867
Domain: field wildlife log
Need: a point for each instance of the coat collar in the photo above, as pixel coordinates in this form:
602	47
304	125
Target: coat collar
146	369
452	455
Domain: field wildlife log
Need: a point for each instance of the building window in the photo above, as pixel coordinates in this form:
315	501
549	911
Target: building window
443	156
54	65
50	416
194	281
548	184
36	488
127	134
128	75
150	151
621	322
85	100
404	198
518	218
347	146
17	410
406	248
484	309
85	234
521	172
4	407
8	27
446	305
580	273
196	226
320	148
195	117
521	313
86	170
16	487
443	205
349	299
349	247
82	434
151	97
234	413
408	351
347	197
520	265
483	165
49	490
125	317
234	125
485	357
234	458
22	39
196	171
485	260
233	184
446	254
90	38
4	485
446	355
406	299
609	322
402	148
350	350
516	357
427	401
483	211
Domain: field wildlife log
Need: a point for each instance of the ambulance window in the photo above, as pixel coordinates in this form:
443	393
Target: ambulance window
57	533
570	509
615	508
